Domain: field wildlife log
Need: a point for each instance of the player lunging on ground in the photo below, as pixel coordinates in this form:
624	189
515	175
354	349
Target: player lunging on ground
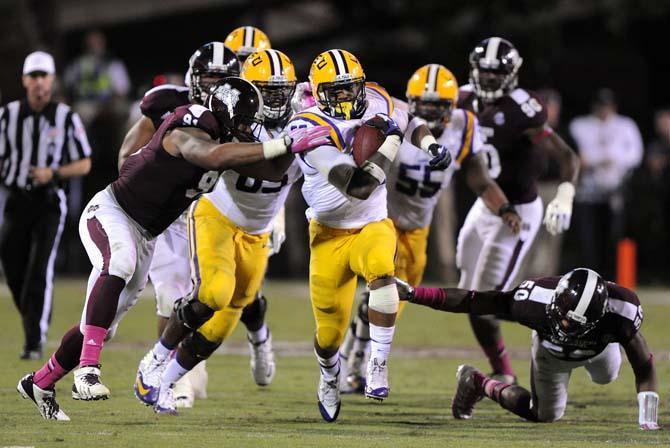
578	320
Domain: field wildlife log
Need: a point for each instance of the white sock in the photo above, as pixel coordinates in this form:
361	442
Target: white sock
380	338
173	373
161	351
259	336
330	367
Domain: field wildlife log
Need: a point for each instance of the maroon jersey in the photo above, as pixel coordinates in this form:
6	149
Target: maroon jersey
527	304
160	101
513	158
154	187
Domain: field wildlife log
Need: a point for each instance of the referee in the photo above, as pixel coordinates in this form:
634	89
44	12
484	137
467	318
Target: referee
42	142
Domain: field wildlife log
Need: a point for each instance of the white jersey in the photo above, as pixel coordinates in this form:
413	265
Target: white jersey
252	203
414	186
326	203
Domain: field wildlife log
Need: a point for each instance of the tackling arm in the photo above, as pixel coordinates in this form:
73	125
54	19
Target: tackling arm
139	135
642	362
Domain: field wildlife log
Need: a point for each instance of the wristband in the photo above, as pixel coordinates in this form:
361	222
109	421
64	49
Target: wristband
648	405
427	141
389	148
275	148
374	170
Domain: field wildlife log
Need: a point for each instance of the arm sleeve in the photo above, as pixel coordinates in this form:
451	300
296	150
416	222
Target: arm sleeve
78	146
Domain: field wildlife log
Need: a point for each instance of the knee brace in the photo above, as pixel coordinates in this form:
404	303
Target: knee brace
363	308
198	347
253	315
385	299
192	313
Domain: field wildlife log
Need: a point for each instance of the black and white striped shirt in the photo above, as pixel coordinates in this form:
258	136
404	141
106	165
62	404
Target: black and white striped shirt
51	138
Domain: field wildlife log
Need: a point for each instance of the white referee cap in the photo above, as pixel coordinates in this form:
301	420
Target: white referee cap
39	61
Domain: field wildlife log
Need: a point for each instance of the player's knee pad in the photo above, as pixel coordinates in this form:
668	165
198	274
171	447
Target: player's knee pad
363	308
605	377
198	347
385	299
192	313
550	413
255	311
329	338
380	264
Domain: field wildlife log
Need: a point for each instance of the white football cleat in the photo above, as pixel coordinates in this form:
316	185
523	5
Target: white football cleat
329	398
262	361
87	385
148	380
377	381
44	399
166	403
183	393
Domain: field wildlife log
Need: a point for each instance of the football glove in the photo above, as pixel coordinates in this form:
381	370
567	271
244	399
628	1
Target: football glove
302	98
304	139
278	233
405	290
441	157
559	211
385	124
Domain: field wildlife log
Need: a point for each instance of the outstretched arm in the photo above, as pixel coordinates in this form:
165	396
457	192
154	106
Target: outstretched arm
642	362
197	147
139	135
481	183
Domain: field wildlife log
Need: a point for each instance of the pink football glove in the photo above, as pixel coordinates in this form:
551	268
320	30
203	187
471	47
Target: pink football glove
302	98
305	139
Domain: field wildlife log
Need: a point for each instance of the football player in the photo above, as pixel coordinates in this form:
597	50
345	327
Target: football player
350	234
413	189
170	271
517	141
246	40
229	233
182	161
578	320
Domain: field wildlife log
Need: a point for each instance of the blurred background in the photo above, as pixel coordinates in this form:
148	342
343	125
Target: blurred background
571	50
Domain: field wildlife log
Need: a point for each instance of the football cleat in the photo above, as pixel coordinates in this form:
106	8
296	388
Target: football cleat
377	382
355	378
262	361
44	399
148	378
183	393
87	385
166	403
31	355
467	394
329	398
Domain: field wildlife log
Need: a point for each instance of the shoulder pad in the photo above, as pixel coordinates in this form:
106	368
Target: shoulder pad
308	119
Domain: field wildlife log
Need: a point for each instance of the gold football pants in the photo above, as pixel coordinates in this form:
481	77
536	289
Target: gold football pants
227	267
338	257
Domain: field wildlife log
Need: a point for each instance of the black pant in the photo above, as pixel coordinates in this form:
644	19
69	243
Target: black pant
31	231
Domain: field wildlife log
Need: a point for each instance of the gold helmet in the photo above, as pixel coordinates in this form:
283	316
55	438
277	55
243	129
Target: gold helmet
274	75
338	84
432	92
246	40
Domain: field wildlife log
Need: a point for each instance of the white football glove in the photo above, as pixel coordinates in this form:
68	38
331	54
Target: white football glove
278	234
302	98
559	211
648	417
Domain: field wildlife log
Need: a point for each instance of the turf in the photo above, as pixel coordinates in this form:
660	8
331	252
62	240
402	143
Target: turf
237	413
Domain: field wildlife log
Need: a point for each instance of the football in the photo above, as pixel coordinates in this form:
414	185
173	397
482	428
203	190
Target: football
367	141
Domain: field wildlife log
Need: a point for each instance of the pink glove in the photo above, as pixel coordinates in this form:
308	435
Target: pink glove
302	98
305	139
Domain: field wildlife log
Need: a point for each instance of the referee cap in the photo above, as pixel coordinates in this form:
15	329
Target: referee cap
39	61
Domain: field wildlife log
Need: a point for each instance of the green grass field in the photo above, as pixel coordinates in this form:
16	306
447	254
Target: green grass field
429	345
